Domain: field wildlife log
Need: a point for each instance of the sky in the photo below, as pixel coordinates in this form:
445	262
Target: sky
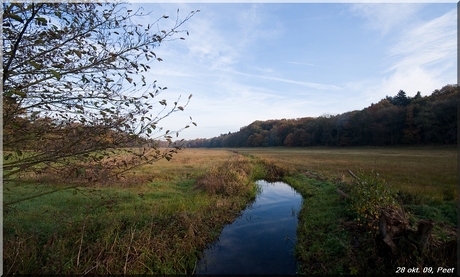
259	61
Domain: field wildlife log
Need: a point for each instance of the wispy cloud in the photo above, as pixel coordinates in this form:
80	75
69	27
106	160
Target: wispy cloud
207	46
305	84
386	18
421	55
299	63
241	64
433	42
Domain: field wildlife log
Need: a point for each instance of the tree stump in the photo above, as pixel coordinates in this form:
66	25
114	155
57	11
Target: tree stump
392	223
424	229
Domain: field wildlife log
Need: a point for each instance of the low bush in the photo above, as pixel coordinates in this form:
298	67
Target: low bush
369	195
399	237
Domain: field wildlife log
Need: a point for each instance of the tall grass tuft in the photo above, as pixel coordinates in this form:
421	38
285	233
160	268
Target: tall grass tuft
231	178
275	170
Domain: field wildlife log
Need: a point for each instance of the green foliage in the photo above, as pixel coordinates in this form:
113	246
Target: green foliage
368	196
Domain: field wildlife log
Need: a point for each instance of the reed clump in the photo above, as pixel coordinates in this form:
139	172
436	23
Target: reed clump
275	170
229	179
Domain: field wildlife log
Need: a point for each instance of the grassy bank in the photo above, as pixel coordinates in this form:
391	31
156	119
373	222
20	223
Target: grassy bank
331	240
322	248
156	225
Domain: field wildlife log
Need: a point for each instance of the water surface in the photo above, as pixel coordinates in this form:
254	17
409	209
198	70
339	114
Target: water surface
261	240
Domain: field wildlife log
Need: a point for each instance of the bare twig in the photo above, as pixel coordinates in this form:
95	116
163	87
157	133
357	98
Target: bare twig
38	195
352	174
15	256
89	270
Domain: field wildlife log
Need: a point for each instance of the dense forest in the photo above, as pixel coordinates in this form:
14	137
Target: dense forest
395	120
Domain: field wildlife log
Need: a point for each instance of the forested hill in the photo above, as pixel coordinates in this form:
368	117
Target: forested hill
398	120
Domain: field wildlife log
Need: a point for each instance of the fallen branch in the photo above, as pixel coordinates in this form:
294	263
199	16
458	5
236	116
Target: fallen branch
352	174
343	193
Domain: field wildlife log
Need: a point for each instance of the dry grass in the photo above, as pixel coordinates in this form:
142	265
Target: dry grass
423	171
188	164
231	178
275	170
331	239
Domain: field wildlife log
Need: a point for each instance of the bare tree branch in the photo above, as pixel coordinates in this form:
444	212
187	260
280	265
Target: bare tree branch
73	89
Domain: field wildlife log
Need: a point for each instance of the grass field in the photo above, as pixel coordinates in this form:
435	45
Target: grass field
425	171
159	219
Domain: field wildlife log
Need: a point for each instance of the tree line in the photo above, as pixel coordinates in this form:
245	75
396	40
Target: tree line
394	120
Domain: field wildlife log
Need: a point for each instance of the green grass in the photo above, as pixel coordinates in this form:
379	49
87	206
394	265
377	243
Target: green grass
331	242
322	248
157	227
64	223
156	221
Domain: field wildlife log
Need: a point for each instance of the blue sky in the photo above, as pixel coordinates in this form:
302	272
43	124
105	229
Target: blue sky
259	61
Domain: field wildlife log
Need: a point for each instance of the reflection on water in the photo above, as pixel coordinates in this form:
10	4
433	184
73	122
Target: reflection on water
261	240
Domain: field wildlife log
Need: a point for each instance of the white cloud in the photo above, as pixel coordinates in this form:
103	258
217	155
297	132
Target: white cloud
257	23
433	42
422	56
207	46
425	56
386	18
299	63
284	80
411	81
220	64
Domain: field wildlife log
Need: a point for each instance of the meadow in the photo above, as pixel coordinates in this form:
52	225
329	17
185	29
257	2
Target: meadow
160	218
429	172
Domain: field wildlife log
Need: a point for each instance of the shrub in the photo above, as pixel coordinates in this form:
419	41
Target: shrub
369	195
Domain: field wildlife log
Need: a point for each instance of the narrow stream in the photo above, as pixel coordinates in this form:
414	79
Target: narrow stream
261	240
